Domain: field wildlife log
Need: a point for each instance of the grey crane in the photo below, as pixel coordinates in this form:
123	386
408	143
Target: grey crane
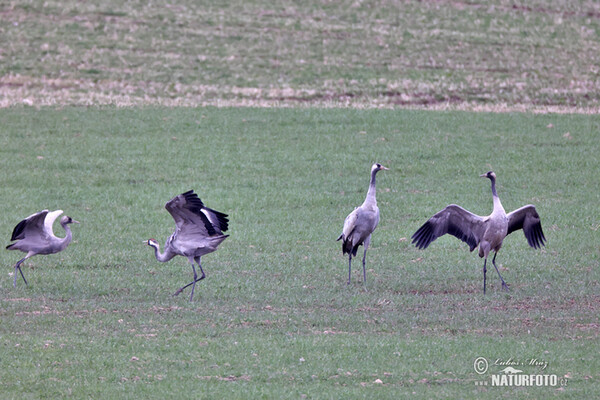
360	224
485	232
34	235
198	231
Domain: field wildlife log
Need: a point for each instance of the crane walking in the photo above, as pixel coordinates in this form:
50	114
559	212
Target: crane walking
34	235
360	224
198	231
485	232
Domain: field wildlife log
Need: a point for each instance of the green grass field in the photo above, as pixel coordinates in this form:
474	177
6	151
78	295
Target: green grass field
275	318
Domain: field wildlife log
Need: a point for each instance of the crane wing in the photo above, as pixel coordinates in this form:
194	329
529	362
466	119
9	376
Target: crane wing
192	218
30	227
454	220
349	224
527	218
218	219
49	221
358	226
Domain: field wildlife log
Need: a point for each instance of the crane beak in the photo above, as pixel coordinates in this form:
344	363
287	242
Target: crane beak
385	168
483	176
75	222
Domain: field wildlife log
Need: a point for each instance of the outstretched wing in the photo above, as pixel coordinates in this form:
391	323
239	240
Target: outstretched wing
192	218
30	227
454	220
527	218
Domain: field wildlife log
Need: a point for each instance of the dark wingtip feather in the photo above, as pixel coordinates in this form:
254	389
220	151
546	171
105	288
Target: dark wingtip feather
535	236
192	199
195	204
221	218
418	233
531	239
423	236
540	235
18	230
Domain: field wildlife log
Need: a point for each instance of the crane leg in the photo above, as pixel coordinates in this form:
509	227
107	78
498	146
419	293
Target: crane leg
192	283
504	285
18	267
349	267
366	246
365	266
484	271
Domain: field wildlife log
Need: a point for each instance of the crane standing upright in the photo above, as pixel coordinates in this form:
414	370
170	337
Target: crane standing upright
360	224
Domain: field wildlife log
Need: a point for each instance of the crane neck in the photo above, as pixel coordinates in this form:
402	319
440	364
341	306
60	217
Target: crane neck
495	198
64	242
494	187
372	192
162	257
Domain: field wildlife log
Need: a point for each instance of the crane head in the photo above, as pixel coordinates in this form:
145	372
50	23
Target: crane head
490	175
378	167
67	220
152	243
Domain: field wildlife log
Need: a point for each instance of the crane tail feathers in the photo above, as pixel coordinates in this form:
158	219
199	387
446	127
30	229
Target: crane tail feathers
347	247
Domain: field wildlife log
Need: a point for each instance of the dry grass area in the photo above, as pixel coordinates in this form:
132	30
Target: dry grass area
486	56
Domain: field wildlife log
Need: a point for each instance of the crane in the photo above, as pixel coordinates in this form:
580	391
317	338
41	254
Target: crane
360	224
34	235
198	231
485	232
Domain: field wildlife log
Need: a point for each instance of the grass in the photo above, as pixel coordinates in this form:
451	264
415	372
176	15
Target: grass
492	55
274	318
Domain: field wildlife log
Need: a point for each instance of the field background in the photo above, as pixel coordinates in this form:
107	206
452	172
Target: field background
274	318
490	55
